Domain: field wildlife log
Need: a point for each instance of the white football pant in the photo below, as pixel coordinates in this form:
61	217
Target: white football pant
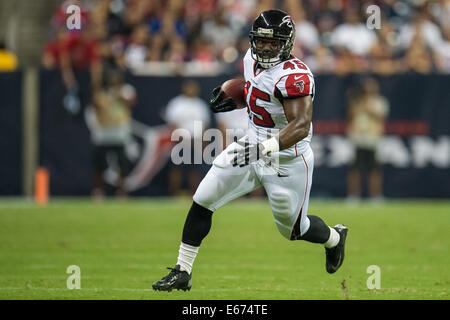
287	186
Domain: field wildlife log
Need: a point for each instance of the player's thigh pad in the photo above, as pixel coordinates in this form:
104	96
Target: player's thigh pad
289	195
224	183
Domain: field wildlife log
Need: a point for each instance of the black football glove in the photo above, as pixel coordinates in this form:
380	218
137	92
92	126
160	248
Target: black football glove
219	104
248	154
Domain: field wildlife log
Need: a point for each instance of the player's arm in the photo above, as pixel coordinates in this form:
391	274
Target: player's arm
298	112
299	115
295	92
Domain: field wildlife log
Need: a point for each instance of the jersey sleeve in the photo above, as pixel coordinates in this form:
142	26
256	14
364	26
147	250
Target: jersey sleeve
294	85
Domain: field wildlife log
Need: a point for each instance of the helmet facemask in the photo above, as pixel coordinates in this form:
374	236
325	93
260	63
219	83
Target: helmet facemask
268	49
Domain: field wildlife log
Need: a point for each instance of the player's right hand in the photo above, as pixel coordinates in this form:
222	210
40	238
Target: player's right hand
219	104
247	153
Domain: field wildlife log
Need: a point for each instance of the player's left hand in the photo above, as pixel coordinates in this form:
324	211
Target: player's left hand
249	153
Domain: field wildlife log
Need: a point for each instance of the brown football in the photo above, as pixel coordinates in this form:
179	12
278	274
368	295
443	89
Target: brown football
234	89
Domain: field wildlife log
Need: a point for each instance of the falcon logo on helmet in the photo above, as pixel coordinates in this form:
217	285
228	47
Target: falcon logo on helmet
272	38
288	20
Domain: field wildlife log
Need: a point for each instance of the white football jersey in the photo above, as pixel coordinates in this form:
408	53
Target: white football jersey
265	89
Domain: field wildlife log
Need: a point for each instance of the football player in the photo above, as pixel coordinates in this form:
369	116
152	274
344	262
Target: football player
279	94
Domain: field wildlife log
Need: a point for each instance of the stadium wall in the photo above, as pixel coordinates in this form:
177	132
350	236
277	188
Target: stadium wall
10	133
415	153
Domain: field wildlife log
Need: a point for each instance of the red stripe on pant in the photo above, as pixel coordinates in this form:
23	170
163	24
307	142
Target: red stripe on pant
304	199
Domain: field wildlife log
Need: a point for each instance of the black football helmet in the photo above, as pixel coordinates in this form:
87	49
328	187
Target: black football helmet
277	26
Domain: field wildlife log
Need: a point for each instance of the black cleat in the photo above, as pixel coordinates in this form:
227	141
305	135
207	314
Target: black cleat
335	255
176	279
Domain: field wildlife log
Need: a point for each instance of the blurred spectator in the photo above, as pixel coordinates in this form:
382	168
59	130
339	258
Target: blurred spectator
239	13
156	47
137	50
352	41
353	35
8	60
112	54
321	61
382	54
73	53
177	51
306	34
418	57
218	32
331	35
112	130
172	23
196	9
326	21
112	21
202	51
440	10
366	117
429	32
185	111
52	54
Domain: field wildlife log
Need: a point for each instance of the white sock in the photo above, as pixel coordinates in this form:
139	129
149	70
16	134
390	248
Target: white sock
186	257
333	240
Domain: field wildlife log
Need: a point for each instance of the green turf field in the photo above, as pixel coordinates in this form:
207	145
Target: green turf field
123	246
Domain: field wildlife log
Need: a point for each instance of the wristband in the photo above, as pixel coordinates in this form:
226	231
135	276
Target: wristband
270	145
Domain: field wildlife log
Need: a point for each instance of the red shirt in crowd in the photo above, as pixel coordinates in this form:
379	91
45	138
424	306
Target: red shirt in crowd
82	50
